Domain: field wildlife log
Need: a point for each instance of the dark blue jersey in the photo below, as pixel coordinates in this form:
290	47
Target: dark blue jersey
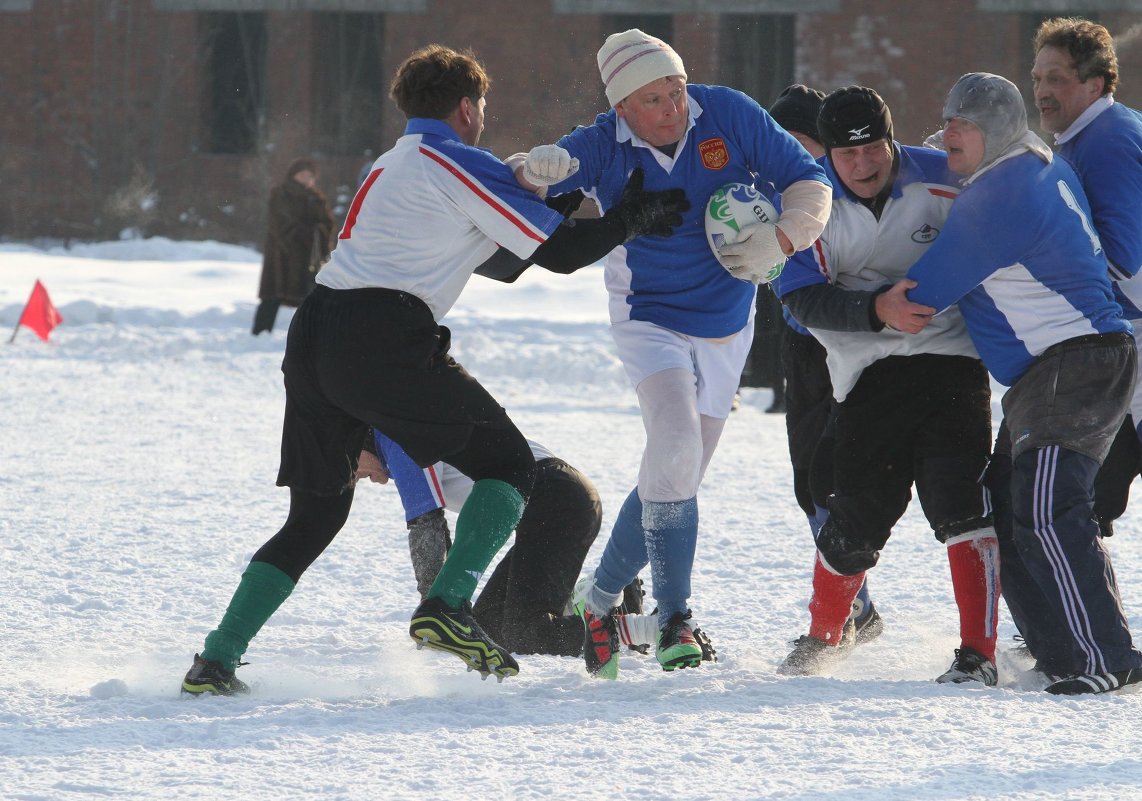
1107	155
677	282
1020	256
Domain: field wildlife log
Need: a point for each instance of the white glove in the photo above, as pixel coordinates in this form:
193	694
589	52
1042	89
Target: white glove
548	164
756	256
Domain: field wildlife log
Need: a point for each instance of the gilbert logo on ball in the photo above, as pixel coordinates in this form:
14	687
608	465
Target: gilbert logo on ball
731	209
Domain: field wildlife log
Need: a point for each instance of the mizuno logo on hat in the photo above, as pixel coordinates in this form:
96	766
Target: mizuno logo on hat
859	133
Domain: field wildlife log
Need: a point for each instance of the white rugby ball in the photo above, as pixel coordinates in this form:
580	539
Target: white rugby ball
731	209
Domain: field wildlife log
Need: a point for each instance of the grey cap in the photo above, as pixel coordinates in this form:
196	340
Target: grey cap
994	105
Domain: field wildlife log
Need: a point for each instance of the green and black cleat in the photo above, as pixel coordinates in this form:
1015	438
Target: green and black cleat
207	677
455	631
677	646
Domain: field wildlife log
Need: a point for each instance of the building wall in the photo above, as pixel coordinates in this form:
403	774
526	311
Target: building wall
912	53
101	101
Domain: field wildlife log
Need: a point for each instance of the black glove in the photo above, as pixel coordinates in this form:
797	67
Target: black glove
648	213
566	204
842	554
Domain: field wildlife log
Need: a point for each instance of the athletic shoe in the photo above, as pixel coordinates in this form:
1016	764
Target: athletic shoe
455	631
870	626
970	665
578	600
633	594
703	640
677	646
600	643
812	656
207	677
1091	683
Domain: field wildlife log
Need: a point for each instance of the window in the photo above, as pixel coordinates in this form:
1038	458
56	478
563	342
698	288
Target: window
234	49
350	85
756	54
660	26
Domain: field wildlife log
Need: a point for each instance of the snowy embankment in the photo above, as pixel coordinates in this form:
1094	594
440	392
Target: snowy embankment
139	452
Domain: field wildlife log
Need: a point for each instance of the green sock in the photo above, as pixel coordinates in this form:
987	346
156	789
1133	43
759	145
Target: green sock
261	591
486	521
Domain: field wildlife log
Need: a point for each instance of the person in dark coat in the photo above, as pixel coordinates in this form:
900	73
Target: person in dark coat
298	241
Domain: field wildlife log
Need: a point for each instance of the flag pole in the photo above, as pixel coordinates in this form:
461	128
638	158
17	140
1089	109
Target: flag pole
15	331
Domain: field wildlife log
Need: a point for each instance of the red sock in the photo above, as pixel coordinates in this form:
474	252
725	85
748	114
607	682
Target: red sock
832	602
974	560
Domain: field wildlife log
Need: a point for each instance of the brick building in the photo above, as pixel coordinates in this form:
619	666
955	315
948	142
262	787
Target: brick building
174	117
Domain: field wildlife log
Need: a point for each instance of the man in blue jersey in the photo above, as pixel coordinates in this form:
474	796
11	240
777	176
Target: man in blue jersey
1021	259
681	322
909	409
366	349
1073	79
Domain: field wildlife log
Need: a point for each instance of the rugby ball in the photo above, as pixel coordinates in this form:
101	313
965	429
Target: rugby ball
731	209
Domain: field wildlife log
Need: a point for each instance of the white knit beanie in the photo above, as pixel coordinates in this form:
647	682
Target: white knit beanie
632	59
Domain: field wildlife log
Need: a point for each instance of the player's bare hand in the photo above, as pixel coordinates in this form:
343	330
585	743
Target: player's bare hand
896	311
370	467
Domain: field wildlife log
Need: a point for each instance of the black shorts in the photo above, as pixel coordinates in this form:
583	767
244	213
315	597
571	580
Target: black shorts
373	357
808	396
923	419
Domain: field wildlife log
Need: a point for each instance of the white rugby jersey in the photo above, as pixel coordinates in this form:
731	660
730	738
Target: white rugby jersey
430	212
857	251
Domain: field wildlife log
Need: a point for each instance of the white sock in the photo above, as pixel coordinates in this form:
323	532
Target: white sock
600	603
638	629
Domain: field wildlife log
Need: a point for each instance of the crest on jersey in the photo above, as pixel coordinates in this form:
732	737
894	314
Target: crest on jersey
925	233
714	153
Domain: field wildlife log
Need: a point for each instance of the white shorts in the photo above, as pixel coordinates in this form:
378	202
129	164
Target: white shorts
646	348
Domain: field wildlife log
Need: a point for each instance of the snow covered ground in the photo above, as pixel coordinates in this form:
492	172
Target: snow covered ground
137	461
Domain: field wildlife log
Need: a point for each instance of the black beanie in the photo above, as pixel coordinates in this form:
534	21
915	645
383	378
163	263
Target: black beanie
854	115
796	109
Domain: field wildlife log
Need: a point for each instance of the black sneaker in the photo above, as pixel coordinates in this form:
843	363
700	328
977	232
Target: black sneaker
677	646
1092	683
633	594
812	656
869	627
455	631
207	677
970	665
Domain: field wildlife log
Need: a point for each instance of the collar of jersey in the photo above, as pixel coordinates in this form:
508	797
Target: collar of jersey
623	133
1100	105
423	125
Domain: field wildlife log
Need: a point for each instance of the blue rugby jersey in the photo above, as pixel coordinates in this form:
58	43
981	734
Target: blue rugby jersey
1106	152
677	282
1019	255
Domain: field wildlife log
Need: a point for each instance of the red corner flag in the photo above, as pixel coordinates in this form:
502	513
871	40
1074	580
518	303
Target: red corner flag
39	315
